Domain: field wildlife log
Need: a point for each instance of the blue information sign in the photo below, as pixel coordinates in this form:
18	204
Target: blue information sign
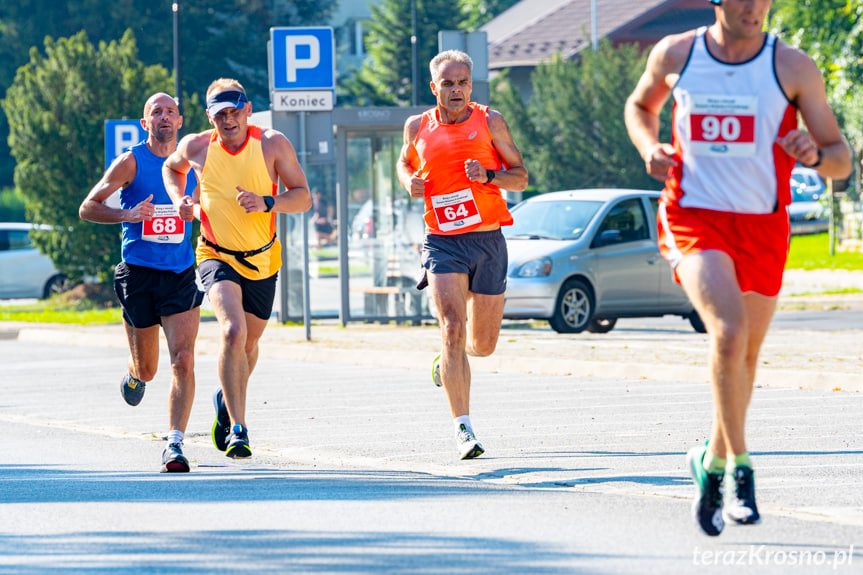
120	135
303	58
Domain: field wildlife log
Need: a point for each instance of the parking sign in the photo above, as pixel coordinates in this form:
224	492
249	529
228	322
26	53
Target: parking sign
303	58
120	135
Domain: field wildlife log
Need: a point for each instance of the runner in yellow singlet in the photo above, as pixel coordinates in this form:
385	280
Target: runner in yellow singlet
238	166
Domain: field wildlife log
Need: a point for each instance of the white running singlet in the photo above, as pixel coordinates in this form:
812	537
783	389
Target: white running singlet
726	121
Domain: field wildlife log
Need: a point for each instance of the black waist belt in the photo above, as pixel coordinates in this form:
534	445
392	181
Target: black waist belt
241	256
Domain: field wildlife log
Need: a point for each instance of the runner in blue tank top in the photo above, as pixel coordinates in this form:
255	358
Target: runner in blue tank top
155	281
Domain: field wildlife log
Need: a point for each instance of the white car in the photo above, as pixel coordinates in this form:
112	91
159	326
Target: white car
25	272
806	212
583	258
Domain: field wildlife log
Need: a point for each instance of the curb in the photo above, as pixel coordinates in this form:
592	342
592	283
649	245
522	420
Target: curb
325	352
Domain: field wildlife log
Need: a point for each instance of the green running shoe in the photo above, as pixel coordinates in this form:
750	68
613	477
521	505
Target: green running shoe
707	507
238	443
436	371
222	426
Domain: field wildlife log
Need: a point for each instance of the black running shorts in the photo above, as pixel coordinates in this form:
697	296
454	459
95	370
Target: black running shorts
480	255
147	294
258	295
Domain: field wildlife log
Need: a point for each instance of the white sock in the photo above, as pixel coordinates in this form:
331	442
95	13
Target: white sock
175	436
462	419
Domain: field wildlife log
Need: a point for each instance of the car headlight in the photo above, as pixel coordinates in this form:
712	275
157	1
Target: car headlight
538	268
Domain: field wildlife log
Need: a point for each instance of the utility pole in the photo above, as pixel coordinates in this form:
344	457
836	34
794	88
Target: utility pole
415	75
178	94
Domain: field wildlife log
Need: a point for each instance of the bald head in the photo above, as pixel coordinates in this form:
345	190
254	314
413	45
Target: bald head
160	98
162	119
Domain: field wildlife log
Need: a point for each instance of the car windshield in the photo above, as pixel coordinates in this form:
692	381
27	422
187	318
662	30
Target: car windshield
556	220
799	193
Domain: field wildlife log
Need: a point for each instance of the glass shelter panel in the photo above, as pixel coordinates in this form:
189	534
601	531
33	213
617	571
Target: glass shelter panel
385	233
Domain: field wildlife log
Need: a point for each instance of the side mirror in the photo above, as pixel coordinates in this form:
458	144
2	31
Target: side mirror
607	237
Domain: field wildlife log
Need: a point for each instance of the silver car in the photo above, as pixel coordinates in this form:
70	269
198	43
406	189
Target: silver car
25	272
583	258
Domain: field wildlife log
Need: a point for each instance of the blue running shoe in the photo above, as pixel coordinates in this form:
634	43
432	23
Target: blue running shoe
222	425
742	508
238	443
173	460
132	389
707	507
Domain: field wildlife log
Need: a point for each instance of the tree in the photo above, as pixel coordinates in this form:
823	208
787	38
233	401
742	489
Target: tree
228	38
218	38
385	78
572	132
56	108
831	32
478	12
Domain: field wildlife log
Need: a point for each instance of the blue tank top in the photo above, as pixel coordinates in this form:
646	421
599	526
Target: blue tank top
161	250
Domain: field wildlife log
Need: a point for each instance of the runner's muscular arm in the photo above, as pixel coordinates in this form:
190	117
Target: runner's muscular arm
408	163
296	197
119	174
514	177
803	84
176	168
642	108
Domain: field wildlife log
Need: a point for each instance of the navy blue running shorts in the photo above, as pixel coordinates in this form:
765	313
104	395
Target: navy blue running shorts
258	295
480	255
147	294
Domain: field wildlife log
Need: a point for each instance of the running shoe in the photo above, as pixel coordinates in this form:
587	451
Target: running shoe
222	426
173	460
468	446
742	508
707	507
132	389
436	371
238	443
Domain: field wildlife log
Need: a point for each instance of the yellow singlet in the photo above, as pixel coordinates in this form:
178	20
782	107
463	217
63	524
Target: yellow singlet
223	221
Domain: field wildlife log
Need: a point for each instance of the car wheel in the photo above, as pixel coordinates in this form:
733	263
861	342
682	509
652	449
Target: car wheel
56	285
574	308
696	323
603	325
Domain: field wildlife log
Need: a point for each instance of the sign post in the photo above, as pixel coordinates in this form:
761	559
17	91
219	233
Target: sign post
302	80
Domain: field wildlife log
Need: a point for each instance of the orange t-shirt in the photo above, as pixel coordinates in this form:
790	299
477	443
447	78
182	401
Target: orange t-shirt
454	204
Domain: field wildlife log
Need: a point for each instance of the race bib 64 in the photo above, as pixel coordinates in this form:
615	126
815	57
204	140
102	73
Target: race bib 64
455	210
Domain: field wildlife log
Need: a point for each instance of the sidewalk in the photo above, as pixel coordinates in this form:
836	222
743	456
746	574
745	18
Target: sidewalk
638	348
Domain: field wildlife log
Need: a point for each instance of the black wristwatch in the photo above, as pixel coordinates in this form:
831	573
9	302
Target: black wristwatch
270	201
818	161
489	174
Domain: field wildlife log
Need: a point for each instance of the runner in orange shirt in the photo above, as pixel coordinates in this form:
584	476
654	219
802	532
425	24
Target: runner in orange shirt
457	156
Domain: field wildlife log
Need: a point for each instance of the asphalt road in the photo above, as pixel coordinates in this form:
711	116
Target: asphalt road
355	472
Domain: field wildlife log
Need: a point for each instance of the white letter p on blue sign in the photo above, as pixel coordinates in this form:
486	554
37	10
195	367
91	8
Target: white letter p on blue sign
302	58
293	59
124	137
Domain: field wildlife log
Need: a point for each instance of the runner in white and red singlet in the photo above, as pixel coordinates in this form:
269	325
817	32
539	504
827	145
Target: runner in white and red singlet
722	217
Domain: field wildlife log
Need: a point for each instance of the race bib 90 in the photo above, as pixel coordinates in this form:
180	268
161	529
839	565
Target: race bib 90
723	125
455	210
165	226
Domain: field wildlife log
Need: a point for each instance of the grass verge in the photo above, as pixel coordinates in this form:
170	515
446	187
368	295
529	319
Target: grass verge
812	252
